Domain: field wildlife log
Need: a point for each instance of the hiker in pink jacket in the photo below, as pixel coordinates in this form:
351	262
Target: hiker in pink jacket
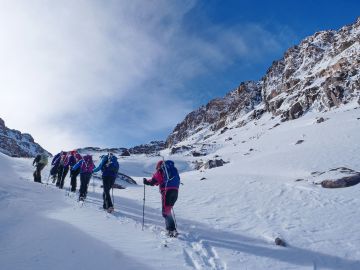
168	182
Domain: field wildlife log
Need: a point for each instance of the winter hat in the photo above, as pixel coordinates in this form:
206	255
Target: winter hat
158	165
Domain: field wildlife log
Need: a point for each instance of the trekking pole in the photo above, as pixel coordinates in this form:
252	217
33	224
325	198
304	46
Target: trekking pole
112	195
47	181
143	210
174	217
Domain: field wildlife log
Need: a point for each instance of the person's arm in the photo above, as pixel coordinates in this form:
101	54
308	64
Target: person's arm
98	168
77	165
155	180
37	159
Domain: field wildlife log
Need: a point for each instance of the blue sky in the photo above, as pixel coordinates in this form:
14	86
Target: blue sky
120	73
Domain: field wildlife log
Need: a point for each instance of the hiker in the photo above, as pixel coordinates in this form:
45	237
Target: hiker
54	166
85	167
71	160
62	170
109	167
167	178
40	161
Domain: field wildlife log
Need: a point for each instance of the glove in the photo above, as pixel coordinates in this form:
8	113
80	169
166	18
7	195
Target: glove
145	181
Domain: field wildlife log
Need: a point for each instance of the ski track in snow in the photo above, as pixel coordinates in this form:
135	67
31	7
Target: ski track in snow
198	253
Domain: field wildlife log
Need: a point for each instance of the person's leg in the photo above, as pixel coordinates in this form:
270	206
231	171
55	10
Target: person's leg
107	186
105	205
168	202
66	170
74	175
40	167
82	186
59	175
87	181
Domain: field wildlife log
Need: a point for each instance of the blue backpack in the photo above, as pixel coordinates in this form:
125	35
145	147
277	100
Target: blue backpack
171	174
111	166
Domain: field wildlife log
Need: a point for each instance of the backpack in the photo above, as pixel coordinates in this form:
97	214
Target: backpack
63	159
171	174
111	166
87	165
43	159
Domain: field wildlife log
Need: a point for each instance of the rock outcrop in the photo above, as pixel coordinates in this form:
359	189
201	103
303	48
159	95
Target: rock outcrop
149	149
16	144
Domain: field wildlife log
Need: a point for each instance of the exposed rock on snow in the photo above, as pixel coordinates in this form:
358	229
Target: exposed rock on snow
197	154
320	120
180	149
149	149
299	142
280	242
213	163
16	144
336	178
125	153
343	182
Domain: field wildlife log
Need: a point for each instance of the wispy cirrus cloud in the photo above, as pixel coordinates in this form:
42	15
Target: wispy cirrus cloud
77	73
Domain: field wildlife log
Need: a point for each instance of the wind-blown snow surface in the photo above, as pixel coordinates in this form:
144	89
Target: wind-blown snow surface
227	221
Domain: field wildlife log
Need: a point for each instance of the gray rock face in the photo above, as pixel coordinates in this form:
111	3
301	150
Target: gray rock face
218	112
320	73
148	149
16	144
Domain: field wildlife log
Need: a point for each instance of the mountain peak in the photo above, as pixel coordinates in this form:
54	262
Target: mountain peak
319	73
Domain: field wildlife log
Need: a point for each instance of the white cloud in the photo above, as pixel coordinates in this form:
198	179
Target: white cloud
75	73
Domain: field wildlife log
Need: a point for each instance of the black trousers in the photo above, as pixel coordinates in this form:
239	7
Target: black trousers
84	182
54	172
74	175
62	172
37	173
168	200
108	182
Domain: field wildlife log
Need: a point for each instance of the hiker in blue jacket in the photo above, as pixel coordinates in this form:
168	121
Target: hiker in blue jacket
109	167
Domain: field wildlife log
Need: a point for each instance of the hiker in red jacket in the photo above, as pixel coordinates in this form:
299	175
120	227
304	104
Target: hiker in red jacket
167	178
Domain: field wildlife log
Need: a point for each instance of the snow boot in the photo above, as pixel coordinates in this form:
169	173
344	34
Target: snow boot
173	233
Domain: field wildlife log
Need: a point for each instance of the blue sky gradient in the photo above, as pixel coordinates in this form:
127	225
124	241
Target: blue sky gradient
122	73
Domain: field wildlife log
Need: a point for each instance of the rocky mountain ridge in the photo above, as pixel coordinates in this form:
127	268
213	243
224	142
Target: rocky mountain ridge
16	144
151	148
320	73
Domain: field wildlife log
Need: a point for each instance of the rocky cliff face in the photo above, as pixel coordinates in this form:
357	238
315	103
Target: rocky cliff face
16	144
148	149
320	73
218	112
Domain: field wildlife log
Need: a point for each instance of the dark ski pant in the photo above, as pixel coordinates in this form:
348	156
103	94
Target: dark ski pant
37	173
108	182
74	175
54	172
168	199
62	172
84	182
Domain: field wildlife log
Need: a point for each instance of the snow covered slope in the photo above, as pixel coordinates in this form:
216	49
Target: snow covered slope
228	220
